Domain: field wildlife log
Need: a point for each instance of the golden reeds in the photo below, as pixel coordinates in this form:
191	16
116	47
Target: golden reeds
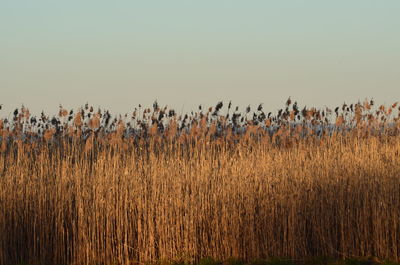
91	196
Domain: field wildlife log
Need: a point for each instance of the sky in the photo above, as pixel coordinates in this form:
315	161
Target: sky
182	53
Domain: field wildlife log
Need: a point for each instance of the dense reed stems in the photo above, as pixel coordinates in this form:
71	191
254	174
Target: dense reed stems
106	198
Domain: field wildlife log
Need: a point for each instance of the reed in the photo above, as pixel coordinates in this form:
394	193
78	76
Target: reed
91	189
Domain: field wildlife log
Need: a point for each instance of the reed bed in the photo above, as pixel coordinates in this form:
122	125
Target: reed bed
86	187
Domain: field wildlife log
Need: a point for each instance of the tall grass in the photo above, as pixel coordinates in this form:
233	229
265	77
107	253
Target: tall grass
82	192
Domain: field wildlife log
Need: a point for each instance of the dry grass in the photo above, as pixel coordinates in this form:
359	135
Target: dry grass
165	194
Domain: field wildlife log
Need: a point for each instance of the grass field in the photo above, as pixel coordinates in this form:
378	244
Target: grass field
86	187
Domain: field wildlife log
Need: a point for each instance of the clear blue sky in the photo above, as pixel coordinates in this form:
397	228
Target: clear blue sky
117	54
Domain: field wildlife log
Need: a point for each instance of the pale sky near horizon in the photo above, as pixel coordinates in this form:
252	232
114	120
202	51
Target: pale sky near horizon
117	54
